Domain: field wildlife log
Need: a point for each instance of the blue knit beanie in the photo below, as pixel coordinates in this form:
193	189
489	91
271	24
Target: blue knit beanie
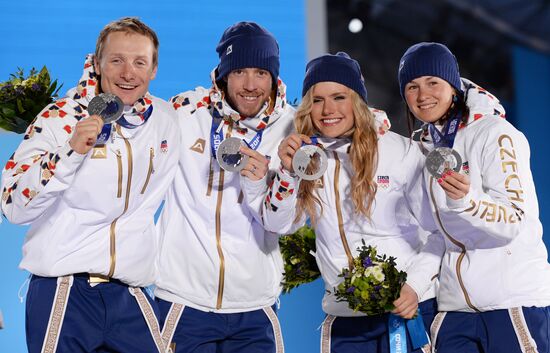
247	45
339	68
428	59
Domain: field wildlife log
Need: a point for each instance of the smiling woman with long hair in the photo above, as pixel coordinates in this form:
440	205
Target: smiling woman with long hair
371	192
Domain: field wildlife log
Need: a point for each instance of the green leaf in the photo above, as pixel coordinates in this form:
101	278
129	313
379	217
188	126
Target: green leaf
20	107
18	110
8	112
300	266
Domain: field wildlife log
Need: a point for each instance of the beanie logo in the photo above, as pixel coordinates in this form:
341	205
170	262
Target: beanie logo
229	50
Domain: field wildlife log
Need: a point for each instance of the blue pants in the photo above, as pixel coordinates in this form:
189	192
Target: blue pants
195	331
100	319
513	330
366	334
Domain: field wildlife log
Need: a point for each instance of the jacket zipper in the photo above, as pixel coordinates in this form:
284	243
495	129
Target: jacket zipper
150	171
221	278
457	243
126	201
339	211
221	275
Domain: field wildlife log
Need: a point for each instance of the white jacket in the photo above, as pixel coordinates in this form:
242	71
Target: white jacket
495	257
400	206
215	254
90	214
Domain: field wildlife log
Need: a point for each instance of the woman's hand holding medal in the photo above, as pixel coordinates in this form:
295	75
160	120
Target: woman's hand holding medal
288	147
455	185
300	154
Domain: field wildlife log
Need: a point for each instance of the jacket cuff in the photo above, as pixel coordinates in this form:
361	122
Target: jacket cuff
254	186
68	163
419	283
289	177
458	205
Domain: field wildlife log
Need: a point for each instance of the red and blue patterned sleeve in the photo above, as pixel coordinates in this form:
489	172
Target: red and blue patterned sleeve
279	209
42	166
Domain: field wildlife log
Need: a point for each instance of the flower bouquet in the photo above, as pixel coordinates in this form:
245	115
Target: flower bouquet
373	284
298	251
21	99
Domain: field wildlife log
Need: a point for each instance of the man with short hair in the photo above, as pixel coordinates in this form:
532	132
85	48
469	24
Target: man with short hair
91	202
220	271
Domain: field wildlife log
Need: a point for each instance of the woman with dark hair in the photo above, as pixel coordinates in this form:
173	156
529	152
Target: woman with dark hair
371	191
494	291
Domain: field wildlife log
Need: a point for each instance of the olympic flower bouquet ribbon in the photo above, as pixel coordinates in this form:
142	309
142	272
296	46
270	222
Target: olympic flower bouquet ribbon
22	98
371	286
298	250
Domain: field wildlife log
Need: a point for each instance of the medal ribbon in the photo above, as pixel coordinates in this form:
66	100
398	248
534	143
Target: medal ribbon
314	141
331	144
328	144
445	137
107	128
145	116
104	134
216	137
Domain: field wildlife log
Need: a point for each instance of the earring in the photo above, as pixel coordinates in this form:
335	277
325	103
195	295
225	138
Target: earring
455	98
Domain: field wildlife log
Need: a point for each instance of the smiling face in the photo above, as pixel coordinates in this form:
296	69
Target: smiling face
429	98
332	109
248	89
126	65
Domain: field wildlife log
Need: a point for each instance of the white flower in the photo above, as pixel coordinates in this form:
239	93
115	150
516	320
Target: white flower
378	273
379	277
369	271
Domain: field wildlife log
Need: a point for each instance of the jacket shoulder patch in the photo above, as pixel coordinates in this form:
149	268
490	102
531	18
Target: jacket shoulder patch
198	146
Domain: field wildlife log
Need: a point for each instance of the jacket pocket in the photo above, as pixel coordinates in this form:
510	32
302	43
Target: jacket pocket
150	170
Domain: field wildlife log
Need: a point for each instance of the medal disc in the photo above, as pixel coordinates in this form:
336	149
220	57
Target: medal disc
442	159
108	106
310	162
229	157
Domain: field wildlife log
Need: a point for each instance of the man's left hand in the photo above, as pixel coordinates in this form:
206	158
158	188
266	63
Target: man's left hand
257	165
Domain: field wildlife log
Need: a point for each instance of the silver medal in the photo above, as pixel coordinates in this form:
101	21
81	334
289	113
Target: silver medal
229	157
442	159
310	162
108	106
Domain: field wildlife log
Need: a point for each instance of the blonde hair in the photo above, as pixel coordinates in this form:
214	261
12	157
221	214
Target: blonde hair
363	155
